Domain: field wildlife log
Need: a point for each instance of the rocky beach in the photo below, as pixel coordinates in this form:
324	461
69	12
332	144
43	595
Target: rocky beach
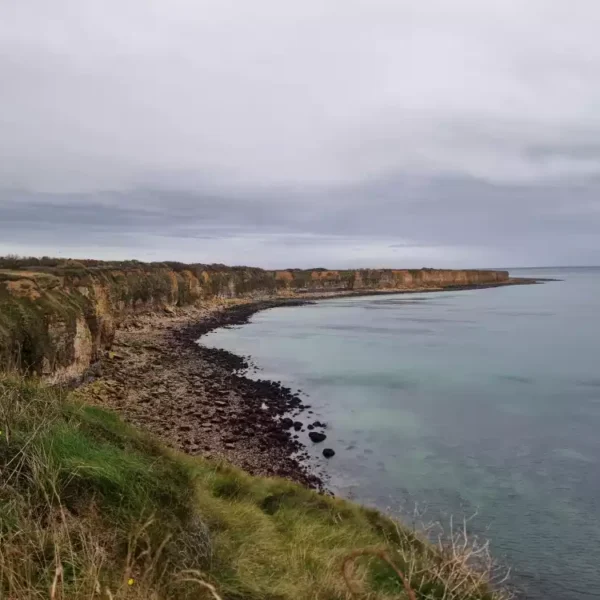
197	399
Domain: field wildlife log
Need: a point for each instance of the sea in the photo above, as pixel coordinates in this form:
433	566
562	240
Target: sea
477	406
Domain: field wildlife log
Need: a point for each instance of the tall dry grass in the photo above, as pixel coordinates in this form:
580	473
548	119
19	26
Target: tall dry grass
93	509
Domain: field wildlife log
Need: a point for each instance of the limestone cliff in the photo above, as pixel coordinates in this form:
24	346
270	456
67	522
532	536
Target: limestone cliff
57	319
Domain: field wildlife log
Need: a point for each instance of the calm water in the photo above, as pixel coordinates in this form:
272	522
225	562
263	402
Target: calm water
482	401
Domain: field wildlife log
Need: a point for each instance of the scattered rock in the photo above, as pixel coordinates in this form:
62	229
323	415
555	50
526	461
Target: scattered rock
328	452
317	436
198	398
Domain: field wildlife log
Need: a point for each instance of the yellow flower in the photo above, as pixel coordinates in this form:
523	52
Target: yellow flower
130	581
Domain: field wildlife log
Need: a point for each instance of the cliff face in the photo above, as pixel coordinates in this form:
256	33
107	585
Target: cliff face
387	279
56	320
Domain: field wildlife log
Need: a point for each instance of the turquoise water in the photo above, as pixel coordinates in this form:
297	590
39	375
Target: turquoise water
483	401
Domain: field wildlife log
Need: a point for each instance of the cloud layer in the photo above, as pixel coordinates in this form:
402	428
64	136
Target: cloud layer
368	132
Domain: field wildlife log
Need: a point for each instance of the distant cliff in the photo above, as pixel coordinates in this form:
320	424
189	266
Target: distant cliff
56	317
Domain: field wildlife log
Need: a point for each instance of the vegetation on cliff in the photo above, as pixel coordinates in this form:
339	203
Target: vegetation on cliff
91	508
56	315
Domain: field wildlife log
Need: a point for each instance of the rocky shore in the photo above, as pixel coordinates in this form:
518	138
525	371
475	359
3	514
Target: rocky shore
197	399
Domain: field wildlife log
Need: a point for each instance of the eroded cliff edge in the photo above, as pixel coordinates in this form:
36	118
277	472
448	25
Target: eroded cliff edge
56	319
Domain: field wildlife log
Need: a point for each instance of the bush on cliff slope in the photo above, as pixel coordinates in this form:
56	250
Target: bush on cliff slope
91	508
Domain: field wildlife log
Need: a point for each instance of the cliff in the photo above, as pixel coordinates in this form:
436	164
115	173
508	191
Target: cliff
56	317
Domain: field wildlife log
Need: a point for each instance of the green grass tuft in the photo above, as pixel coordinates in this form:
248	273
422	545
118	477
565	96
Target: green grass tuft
89	505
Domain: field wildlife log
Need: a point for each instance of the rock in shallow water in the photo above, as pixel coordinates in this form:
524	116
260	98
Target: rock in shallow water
317	437
328	452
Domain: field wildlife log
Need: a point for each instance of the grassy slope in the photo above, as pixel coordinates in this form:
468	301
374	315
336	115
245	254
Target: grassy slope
91	508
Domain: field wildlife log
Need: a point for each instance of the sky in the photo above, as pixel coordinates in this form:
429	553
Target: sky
321	133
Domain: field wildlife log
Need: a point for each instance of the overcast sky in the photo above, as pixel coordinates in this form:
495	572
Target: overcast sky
316	133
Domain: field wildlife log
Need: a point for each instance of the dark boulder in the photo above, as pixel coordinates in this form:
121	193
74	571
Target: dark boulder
317	436
328	453
297	425
287	423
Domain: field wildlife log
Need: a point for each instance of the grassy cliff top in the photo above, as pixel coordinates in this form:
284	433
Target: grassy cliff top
92	508
50	264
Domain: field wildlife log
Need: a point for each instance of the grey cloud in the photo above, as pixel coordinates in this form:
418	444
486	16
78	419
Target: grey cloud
572	150
399	215
96	95
370	131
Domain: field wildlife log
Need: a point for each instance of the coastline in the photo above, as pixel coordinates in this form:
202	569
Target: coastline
198	400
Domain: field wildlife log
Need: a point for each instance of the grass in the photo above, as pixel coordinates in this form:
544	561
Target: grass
92	508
